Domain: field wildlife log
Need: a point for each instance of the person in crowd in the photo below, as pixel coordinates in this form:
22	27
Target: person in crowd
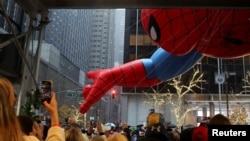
45	131
30	127
149	139
71	129
71	120
77	126
27	124
85	137
98	138
186	134
112	130
203	124
91	129
117	137
73	133
126	131
55	132
97	128
155	129
219	119
38	126
102	130
10	129
200	133
140	132
175	135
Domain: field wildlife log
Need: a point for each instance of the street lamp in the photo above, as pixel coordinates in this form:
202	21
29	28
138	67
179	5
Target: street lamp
220	79
223	79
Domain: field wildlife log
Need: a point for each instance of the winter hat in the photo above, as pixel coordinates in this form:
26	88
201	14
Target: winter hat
155	118
200	134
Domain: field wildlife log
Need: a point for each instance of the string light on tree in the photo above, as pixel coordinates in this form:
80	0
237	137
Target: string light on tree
179	109
239	115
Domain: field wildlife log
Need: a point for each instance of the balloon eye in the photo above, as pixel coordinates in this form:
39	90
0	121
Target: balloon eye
154	29
153	33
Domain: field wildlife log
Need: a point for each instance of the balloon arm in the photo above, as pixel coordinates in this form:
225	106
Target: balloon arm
164	66
131	74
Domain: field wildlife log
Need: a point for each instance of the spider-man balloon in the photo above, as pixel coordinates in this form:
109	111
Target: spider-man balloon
184	35
222	33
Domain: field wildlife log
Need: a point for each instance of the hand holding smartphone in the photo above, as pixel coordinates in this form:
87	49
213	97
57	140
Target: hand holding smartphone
46	88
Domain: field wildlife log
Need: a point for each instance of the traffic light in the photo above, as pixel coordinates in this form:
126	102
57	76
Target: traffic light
113	94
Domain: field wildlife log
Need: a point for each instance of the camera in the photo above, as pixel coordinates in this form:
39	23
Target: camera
45	89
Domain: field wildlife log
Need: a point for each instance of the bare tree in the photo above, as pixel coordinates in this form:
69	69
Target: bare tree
239	115
76	115
66	111
175	96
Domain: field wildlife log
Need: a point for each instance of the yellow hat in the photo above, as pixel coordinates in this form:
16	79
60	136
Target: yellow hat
154	118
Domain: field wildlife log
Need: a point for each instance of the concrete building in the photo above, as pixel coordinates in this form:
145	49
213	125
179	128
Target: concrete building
69	31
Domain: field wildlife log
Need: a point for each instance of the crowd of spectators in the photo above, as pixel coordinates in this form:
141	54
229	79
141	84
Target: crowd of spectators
25	128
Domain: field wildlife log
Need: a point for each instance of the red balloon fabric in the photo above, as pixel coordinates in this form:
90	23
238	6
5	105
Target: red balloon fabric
220	33
130	74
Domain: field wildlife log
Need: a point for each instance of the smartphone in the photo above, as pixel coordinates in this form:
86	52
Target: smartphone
46	88
93	123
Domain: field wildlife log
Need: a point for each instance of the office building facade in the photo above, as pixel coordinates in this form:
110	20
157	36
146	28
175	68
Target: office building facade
104	46
69	31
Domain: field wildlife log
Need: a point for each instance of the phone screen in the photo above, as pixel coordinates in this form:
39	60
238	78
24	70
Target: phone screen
46	86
